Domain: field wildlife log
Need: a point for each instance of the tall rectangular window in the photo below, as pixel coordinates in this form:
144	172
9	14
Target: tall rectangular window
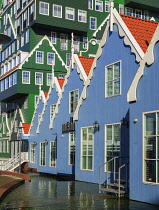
151	147
71	148
36	100
57	11
76	44
63	42
68	59
85	42
53	151
52	109
50	58
112	78
90	4
121	9
42	154
70	13
138	13
107	5
38	78
32	153
73	100
93	23
27	36
39	57
87	142
53	37
43	8
26	77
99	6
6	83
129	11
112	143
146	15
15	78
2	85
10	80
82	16
49	79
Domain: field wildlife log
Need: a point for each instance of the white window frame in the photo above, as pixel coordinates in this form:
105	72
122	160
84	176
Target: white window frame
53	61
53	11
63	42
85	42
41	156
53	159
128	11
146	15
99	5
74	101
88	143
107	6
137	11
68	59
28	76
90	4
82	16
53	37
27	36
76	44
46	11
106	81
40	58
36	79
121	9
71	148
68	12
95	23
32	152
48	82
52	110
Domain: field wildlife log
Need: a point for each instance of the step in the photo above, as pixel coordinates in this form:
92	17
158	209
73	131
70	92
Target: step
121	180
116	185
112	190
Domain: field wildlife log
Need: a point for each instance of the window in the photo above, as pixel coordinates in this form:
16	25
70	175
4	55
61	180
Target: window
70	13
57	11
36	100
53	37
15	78
151	147
112	143
42	153
22	40
121	9
50	58
87	148
6	83
146	15
44	8
76	44
68	59
73	100
38	78
27	36
112	79
107	6
39	57
93	23
4	128
90	4
85	42
13	47
10	80
82	16
52	109
26	77
10	64
49	79
71	148
99	6
32	153
129	11
2	85
53	152
64	42
138	13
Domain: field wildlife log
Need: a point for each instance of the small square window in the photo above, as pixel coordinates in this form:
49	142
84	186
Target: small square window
82	16
44	8
50	58
70	13
38	78
93	23
39	57
57	11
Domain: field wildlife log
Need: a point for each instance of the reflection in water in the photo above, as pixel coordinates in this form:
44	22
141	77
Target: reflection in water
48	193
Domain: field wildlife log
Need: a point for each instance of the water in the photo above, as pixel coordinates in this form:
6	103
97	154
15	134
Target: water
48	193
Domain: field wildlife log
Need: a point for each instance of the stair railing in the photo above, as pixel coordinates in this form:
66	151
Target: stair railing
124	165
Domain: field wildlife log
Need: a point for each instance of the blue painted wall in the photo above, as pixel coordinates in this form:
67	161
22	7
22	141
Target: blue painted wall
105	110
147	100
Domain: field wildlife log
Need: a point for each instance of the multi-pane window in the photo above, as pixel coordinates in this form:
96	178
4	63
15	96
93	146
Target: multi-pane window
87	148
99	6
32	153
53	151
146	15
76	44
138	13
39	57
129	11
121	9
151	147
64	42
6	83
10	80
49	79
57	11
26	77
38	78
15	78
71	148
42	154
90	4
112	78
73	100
53	37
85	42
27	36
52	109
68	59
93	23
43	8
70	13
112	143
82	16
2	85
50	58
107	5
22	40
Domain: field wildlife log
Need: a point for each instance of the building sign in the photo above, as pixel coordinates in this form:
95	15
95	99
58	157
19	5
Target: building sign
69	126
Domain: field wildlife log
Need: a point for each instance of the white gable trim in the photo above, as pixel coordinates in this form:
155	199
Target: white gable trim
80	68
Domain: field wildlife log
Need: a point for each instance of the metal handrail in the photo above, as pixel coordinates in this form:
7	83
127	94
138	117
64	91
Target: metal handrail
120	176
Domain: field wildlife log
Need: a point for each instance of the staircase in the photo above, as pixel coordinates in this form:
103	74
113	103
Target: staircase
117	180
12	163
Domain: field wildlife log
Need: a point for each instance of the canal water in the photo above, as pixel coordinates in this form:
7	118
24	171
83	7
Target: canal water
48	193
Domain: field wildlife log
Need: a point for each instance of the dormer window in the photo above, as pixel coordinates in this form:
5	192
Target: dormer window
129	11
138	13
